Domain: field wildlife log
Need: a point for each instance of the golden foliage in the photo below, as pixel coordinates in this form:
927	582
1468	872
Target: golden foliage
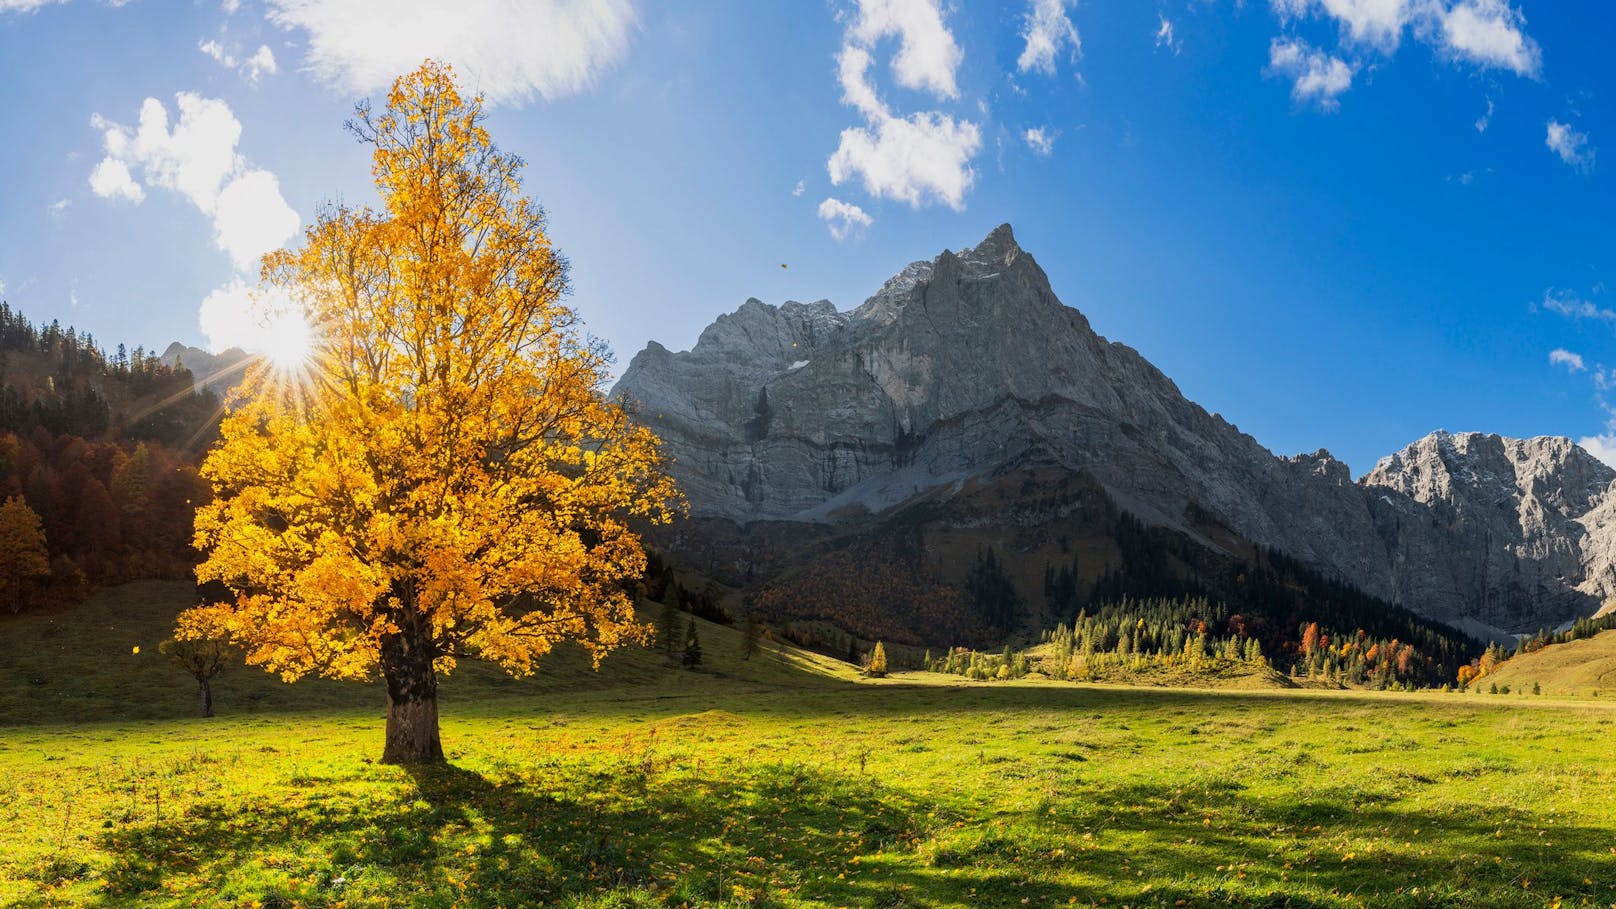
447	466
23	556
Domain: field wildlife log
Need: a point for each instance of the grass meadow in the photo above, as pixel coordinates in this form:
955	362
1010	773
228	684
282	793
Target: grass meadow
779	781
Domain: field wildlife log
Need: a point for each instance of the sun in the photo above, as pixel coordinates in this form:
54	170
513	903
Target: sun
286	340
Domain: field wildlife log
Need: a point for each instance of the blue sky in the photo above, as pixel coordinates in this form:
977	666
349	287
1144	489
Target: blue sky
1339	223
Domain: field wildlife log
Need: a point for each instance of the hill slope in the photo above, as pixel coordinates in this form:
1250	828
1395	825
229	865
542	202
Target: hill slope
1585	667
82	666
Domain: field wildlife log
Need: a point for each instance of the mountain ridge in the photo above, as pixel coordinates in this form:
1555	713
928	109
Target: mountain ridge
969	365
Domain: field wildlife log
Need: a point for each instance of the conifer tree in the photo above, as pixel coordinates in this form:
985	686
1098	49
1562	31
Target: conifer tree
878	662
668	622
692	654
750	633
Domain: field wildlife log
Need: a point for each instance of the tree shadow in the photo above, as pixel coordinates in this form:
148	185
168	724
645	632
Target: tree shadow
629	835
636	832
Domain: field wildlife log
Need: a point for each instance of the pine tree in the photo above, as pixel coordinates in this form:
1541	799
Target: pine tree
668	623
750	632
692	654
878	662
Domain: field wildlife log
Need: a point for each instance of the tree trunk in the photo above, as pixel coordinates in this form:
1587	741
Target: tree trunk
206	687
412	694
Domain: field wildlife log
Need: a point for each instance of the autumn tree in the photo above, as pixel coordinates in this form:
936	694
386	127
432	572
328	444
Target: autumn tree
878	662
24	560
445	477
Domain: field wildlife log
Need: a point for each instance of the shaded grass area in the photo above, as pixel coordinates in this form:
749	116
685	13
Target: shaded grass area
99	661
783	782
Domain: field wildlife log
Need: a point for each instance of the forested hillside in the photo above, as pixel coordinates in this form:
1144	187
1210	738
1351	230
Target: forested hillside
102	450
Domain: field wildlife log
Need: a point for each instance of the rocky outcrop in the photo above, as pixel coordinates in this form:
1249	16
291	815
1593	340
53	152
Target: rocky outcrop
968	365
1519	532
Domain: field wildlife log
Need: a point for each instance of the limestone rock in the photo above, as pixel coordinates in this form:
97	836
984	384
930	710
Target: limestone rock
969	366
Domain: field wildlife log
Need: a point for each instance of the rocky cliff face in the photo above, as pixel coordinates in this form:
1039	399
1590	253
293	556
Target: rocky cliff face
968	366
1518	533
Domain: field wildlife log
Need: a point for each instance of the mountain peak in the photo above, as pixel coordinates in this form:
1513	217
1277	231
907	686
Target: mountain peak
998	247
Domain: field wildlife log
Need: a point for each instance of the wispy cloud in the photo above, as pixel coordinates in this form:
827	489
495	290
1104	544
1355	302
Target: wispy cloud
844	219
1041	140
511	52
1484	34
1046	30
1571	361
1573	306
1602	447
1164	34
1315	76
259	64
1572	146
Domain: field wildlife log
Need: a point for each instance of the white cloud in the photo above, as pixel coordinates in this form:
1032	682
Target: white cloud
1489	33
216	50
237	314
252	217
1315	76
1485	120
1572	146
25	6
1602	447
111	180
198	159
230	6
1164	35
927	54
511	52
1484	33
254	68
1041	140
853	67
1376	24
919	159
260	64
843	218
798	189
1569	304
1562	357
59	207
1046	31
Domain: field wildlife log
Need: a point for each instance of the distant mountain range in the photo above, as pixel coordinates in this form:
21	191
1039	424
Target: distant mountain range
217	372
964	410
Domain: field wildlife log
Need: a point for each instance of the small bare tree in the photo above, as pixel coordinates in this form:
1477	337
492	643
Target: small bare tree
202	659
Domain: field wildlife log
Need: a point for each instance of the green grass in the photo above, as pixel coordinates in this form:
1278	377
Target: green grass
784	782
1585	667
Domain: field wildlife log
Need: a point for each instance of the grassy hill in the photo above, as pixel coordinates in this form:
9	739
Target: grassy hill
1585	667
83	665
783	781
